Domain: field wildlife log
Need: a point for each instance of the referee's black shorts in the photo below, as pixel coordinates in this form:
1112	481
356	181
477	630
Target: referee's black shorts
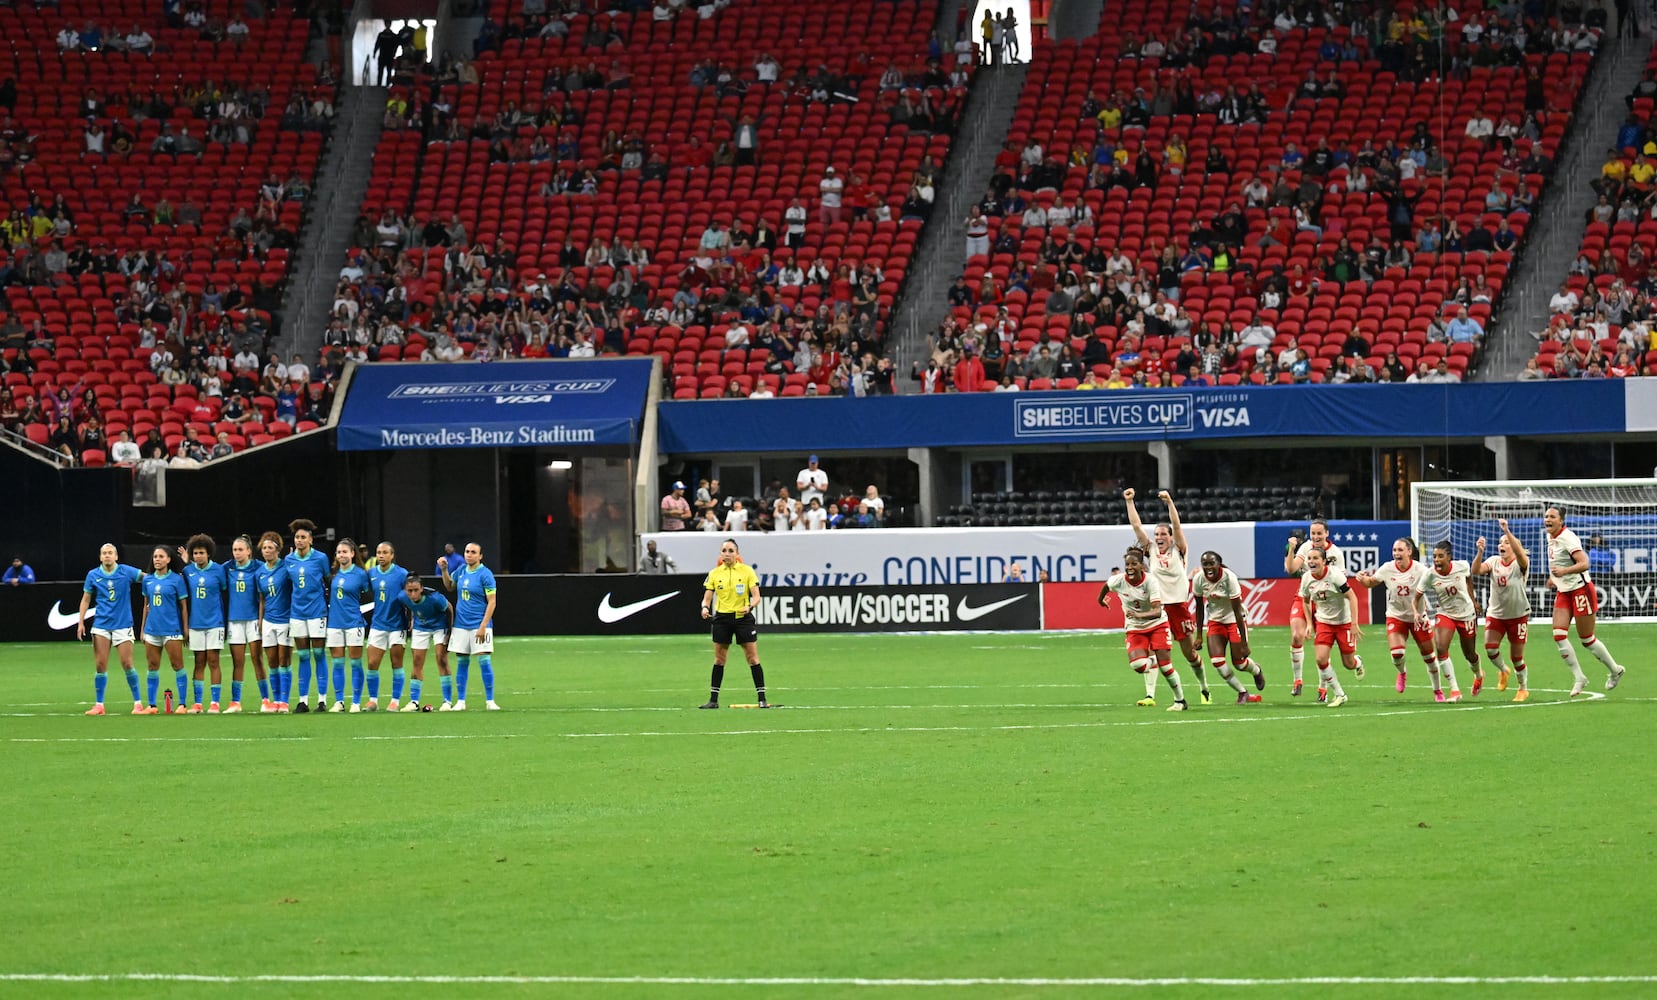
728	626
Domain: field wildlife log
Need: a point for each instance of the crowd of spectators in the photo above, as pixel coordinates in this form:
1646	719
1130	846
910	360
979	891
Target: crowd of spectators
809	505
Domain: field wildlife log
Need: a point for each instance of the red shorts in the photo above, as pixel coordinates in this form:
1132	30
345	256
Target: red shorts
1151	639
1336	635
1397	626
1582	601
1297	609
1464	629
1514	629
1226	630
1181	622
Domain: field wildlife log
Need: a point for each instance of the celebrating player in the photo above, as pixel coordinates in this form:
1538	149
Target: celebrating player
1509	611
1576	599
308	613
1147	624
206	581
474	631
109	584
275	596
729	596
1222	597
1294	564
1333	605
1167	559
346	624
166	616
1457	610
429	615
1405	580
241	575
385	629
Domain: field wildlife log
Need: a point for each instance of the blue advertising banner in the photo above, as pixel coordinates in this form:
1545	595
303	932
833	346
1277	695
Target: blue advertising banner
1384	412
501	405
1364	544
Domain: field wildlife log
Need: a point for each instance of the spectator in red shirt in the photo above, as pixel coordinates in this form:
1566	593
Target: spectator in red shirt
969	372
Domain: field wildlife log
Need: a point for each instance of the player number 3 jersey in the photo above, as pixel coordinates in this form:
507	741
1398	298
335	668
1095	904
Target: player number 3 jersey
1141	602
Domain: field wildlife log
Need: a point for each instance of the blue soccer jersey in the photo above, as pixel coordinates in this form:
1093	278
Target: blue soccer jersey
429	614
112	596
275	590
473	588
242	584
388	586
309	577
207	587
164	593
350	587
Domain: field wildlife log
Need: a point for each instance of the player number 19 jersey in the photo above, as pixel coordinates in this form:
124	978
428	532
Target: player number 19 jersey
1508	598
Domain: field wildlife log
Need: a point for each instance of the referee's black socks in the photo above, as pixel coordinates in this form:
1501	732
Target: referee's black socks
759	680
718	678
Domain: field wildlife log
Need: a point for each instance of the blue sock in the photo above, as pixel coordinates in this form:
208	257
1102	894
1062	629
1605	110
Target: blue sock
283	683
463	666
397	684
448	687
236	691
132	682
264	688
321	658
487	669
373	683
154	685
99	683
181	679
356	682
339	679
414	690
197	686
217	691
304	674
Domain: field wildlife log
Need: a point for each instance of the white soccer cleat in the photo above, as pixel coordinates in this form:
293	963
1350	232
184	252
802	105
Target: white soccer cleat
354	709
460	705
491	706
1336	700
1577	685
338	706
445	707
1615	678
412	706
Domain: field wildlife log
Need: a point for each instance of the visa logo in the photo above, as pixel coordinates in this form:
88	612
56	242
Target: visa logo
502	400
1225	416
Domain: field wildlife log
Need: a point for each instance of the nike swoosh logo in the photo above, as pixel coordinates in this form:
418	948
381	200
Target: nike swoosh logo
58	620
968	614
609	613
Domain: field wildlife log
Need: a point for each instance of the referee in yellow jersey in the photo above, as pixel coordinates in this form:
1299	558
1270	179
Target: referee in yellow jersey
729	596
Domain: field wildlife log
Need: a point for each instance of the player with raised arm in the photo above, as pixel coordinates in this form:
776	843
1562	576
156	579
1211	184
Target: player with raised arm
1509	611
1167	562
1332	604
1457	611
107	593
1577	599
275	597
1294	564
1222	596
1147	637
308	613
428	615
1405	580
206	581
241	575
346	625
166	617
474	631
385	628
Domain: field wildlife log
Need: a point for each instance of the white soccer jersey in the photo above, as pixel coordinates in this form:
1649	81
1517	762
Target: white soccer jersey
1331	554
1171	575
1562	550
1141	604
1217	595
1404	588
1508	596
1328	595
1452	591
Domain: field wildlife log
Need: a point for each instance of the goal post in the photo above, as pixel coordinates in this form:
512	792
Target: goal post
1615	518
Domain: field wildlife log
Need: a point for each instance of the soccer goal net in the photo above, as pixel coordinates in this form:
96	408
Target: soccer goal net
1615	518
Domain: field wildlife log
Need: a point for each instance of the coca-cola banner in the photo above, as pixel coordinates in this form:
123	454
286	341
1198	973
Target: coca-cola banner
1076	605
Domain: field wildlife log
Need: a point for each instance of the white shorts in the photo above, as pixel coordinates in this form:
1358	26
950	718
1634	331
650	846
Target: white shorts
275	634
308	628
342	637
206	640
422	639
379	638
116	637
242	633
464	641
161	640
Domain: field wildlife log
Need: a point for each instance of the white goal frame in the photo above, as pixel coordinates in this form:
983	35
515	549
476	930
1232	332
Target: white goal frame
1592	507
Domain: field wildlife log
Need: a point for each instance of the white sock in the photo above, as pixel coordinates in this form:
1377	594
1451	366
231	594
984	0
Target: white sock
1327	679
1398	660
1202	678
1432	672
1149	673
1228	675
1569	656
1297	657
1495	655
1597	647
1447	667
1253	668
1520	673
1173	682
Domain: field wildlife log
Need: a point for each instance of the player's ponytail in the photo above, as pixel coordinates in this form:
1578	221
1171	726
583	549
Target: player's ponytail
1409	543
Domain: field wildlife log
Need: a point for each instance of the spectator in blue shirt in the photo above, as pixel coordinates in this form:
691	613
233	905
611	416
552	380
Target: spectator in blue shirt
19	573
1600	558
450	558
1464	329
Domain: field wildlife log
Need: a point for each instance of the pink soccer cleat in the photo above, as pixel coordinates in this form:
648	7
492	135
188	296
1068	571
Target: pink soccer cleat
1438	696
1400	682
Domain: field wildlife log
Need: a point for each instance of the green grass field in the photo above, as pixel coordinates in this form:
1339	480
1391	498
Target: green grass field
924	807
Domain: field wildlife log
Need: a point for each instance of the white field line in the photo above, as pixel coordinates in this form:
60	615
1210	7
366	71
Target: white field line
874	983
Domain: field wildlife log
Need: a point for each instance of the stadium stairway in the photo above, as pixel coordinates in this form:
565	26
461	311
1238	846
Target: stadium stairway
942	251
342	181
1555	232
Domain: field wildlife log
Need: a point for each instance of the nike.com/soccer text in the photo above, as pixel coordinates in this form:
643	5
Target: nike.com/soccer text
855	609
